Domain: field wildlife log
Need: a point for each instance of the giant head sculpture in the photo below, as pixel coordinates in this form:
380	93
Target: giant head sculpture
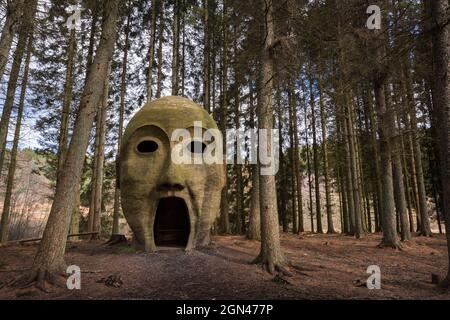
164	201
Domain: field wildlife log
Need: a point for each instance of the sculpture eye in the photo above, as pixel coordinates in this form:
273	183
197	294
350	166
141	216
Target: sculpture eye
196	147
147	146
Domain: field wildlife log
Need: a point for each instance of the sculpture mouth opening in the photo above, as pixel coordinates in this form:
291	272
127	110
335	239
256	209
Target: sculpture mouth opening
171	227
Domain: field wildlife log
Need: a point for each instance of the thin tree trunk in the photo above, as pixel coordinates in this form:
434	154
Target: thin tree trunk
123	92
308	166
49	259
206	44
399	187
254	223
385	132
376	155
67	99
98	186
441	102
425	229
270	255
25	30
175	46
315	159
298	173
160	50
10	27
323	124
348	178
358	229
238	169
224	215
151	50
4	224
292	156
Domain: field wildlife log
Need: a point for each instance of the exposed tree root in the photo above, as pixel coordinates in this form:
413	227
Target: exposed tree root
274	268
396	246
41	279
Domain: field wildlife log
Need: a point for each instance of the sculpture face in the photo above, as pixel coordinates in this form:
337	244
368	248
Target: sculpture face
167	203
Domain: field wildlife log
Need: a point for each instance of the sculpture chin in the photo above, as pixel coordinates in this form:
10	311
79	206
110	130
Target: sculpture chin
171	226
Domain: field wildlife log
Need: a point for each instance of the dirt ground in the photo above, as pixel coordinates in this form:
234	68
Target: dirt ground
322	267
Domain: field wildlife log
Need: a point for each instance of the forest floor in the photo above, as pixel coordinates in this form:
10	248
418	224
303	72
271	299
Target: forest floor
322	267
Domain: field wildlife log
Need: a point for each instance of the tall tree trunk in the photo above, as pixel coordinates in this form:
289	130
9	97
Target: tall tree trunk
123	92
25	30
298	173
183	50
4	224
159	83
323	124
406	177
353	163
98	186
292	156
238	169
11	25
67	99
315	158
254	221
64	127
425	229
49	260
206	44
385	132
376	155
151	50
224	214
283	180
441	102
91	215
270	255
175	46
308	167
399	187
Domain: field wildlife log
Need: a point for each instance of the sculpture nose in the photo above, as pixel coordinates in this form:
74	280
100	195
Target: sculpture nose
171	179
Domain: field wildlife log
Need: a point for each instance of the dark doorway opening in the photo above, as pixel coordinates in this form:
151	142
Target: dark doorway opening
171	227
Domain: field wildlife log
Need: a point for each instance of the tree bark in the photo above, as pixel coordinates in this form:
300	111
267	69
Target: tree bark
315	147
101	159
292	156
385	133
159	83
175	46
270	255
151	50
123	92
67	99
254	225
4	224
323	124
49	260
308	166
425	229
206	103
224	214
10	27
25	31
441	102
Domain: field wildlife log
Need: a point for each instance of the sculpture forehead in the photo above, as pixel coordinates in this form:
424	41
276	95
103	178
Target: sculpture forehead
169	113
